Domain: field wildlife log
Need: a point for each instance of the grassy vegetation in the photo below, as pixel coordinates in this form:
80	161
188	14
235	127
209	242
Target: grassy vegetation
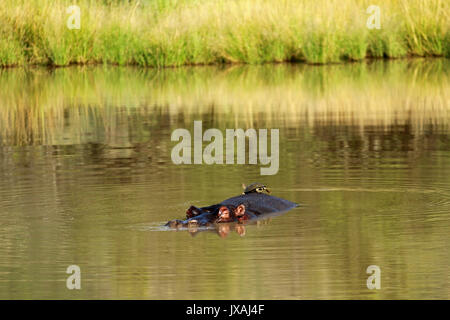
161	33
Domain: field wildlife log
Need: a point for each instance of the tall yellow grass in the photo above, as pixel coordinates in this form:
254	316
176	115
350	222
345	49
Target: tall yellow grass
172	33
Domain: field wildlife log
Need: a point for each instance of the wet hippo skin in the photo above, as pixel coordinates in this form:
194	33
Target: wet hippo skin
236	209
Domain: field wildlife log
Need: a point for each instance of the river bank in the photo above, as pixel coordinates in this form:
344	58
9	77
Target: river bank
188	32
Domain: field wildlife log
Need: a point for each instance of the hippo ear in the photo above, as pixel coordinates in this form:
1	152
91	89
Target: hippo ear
223	215
223	211
240	210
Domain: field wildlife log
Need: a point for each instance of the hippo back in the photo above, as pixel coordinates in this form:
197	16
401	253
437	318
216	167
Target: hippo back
260	203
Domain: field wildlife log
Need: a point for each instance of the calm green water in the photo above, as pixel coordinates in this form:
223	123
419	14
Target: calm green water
86	178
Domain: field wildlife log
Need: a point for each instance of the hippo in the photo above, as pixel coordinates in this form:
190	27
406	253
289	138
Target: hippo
240	209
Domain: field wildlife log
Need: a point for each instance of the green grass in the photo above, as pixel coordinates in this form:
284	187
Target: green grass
11	53
157	33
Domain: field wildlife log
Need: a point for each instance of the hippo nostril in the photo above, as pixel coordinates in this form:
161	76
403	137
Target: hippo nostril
173	223
192	223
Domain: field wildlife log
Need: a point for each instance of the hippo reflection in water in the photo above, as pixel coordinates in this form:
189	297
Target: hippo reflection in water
240	209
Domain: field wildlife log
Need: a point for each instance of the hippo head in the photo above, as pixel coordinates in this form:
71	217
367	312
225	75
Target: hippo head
201	218
230	213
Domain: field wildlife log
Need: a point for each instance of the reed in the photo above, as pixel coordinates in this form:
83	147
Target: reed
158	33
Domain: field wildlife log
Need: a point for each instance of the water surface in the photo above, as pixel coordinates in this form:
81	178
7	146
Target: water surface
86	178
